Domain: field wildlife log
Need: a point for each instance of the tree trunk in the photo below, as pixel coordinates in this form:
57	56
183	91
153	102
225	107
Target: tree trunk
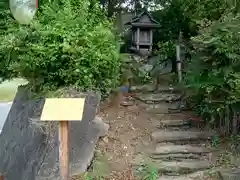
110	8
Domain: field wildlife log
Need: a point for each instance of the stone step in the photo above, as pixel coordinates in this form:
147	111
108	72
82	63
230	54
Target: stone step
151	88
171	116
174	111
229	174
143	88
171	136
158	97
178	156
193	176
172	128
175	149
174	123
127	102
182	167
158	109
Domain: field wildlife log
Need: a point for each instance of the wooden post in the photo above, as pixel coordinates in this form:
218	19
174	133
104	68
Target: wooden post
63	149
1	177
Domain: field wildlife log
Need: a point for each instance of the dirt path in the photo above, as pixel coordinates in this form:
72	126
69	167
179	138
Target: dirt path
129	127
146	134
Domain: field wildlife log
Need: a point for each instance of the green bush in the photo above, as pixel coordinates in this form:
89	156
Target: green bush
4	17
68	44
211	70
213	75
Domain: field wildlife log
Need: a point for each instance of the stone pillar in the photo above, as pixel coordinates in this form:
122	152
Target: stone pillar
138	37
151	40
179	63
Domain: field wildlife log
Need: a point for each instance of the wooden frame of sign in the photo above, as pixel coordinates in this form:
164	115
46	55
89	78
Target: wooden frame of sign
63	110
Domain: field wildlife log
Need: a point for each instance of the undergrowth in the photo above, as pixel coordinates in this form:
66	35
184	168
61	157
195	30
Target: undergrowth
146	172
227	150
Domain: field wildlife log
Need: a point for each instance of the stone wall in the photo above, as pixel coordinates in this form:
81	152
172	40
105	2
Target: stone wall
29	148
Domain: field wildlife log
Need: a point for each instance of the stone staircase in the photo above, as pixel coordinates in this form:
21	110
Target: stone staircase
178	150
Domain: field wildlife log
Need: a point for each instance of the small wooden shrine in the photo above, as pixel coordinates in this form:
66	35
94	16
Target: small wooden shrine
142	27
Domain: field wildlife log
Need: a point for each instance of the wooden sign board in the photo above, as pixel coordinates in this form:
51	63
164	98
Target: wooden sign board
63	109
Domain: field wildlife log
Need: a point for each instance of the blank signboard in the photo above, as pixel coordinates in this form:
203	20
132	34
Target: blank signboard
63	109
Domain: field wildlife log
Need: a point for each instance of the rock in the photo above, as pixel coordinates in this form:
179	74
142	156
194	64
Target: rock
170	136
193	176
105	139
103	127
174	149
145	68
29	148
137	58
182	167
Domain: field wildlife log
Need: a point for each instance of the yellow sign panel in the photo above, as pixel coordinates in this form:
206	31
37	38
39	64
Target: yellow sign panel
63	109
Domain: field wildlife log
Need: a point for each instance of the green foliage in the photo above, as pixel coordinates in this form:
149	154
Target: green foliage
132	69
213	74
215	141
147	172
151	173
4	18
211	28
68	44
166	49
